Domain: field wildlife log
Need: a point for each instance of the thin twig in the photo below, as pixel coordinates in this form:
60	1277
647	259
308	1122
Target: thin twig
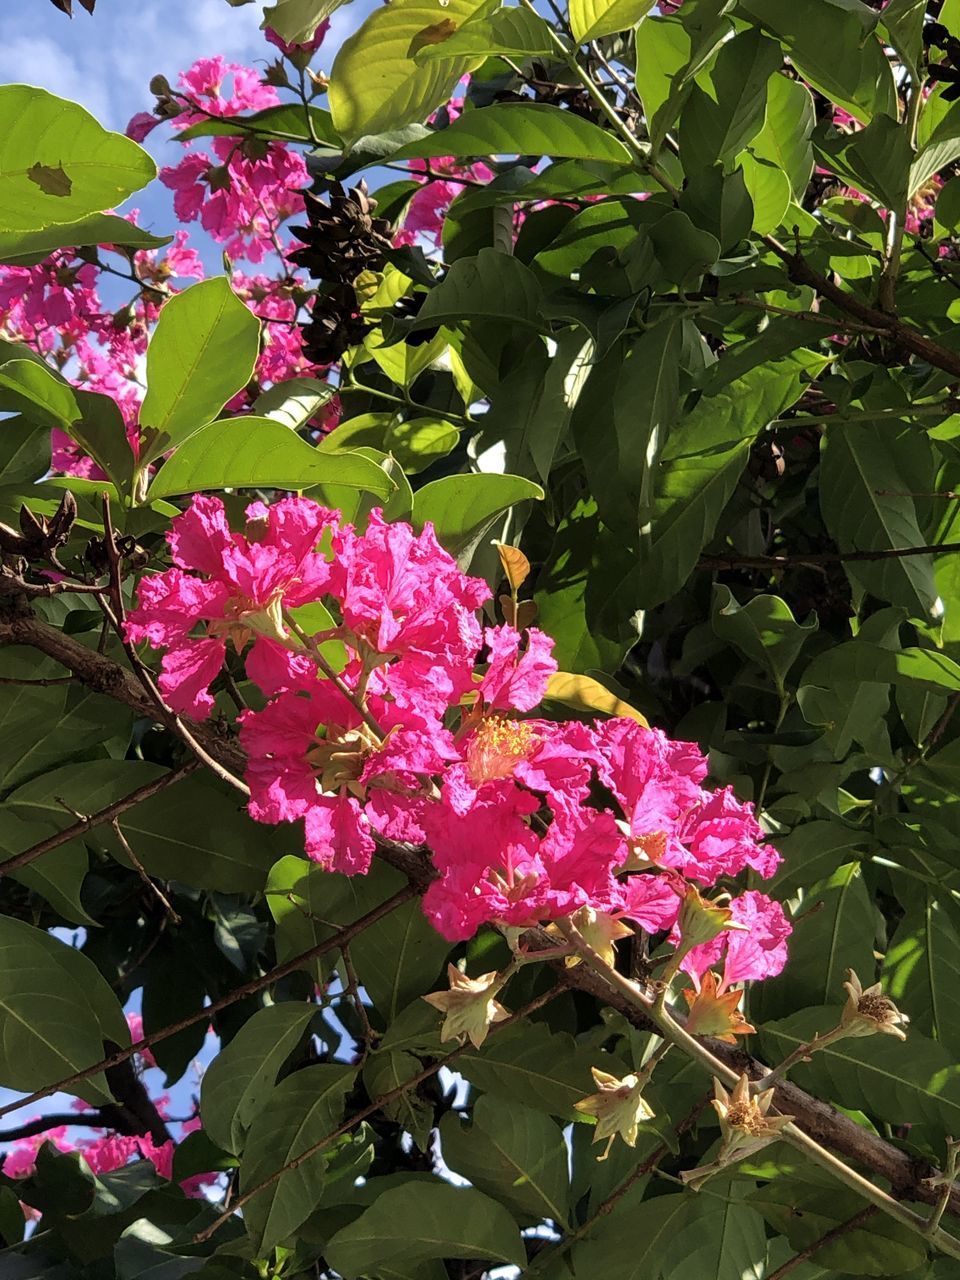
735	561
370	1037
376	1105
45	684
88	1119
841	1229
142	873
345	934
108	814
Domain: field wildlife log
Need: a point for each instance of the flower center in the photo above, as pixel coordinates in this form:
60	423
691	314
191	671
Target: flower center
745	1116
497	747
876	1007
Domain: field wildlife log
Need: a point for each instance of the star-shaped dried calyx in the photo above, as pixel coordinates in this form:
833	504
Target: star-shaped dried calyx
745	1127
599	930
869	1011
618	1106
713	1013
469	1006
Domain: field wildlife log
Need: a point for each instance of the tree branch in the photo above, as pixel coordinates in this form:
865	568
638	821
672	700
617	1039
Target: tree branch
735	561
841	1229
109	814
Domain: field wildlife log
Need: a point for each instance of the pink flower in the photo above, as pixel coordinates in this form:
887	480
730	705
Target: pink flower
309	46
142	124
755	951
515	680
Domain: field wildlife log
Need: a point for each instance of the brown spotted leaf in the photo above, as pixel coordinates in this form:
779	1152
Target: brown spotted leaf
436	33
52	181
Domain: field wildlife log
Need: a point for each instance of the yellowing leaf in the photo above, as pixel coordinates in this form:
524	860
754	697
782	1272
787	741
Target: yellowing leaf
585	694
516	566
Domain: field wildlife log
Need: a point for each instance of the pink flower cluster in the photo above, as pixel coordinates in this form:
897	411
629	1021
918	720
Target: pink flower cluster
392	714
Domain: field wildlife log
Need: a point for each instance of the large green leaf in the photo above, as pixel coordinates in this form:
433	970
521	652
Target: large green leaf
398	960
520	128
868	476
99	229
296	21
512	1153
293	402
56	1010
191	832
875	160
260	453
837	936
462	508
701	464
913	1083
813	851
417	1221
375	85
719	119
27	385
531	1065
202	353
784	140
591	19
722	1237
300	1112
764	629
57	876
921	969
493	286
832	47
57	164
634	1241
236	1084
517	32
668	56
43	726
807	1211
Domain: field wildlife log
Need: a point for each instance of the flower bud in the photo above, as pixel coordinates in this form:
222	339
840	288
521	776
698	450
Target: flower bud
160	87
469	1006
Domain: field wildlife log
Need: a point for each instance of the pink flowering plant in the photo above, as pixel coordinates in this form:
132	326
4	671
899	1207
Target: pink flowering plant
479	649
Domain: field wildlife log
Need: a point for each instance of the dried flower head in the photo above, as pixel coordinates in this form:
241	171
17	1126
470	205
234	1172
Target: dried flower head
469	1006
619	1108
869	1011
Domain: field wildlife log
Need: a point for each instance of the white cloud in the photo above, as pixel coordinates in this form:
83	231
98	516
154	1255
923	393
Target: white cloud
38	60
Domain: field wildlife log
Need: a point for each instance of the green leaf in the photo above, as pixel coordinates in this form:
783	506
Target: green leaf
806	1211
301	1111
416	443
591	19
921	970
293	403
812	852
587	594
259	453
913	1083
24	451
238	1081
190	832
516	32
492	285
633	1242
875	160
701	464
398	960
860	661
95	169
375	85
533	1066
462	508
764	630
296	21
720	118
418	1221
867	474
38	393
100	229
668	56
513	1154
683	250
57	876
769	190
202	353
837	936
784	140
833	48
287	121
520	128
43	726
57	1010
722	1237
